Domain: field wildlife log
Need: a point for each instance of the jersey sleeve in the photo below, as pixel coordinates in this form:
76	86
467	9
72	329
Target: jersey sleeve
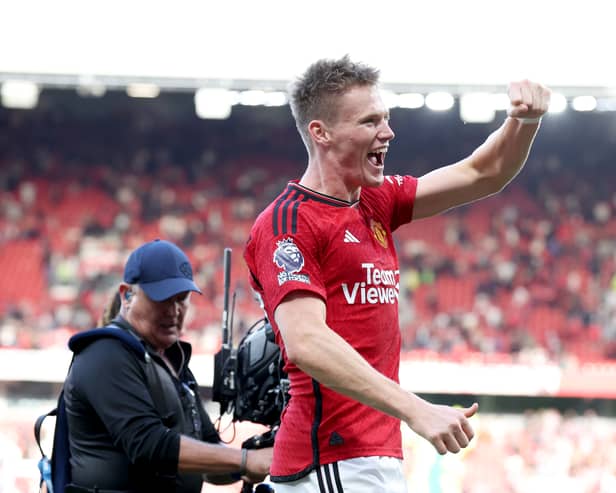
284	263
399	193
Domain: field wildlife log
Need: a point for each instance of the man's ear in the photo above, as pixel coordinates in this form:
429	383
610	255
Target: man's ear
126	293
318	131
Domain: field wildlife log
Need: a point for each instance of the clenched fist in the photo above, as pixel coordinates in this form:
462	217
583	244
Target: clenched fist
528	99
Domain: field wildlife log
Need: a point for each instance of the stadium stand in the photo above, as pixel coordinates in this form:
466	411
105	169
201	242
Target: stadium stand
528	275
532	267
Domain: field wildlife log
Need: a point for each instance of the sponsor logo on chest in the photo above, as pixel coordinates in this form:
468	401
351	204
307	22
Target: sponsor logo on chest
381	286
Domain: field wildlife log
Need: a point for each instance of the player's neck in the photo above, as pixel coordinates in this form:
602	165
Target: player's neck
330	183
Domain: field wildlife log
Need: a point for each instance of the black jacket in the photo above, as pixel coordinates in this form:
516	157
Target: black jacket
126	413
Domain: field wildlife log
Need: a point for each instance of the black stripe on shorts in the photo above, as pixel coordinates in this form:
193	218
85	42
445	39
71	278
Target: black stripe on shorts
329	470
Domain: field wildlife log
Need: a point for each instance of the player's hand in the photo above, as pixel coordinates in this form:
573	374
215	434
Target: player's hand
446	428
258	464
528	99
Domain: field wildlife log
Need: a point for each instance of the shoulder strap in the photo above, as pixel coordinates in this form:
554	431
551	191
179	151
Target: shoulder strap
44	464
60	459
39	423
132	340
119	329
155	386
114	331
55	471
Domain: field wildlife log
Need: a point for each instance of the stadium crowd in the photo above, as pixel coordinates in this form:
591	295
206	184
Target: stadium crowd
530	272
527	275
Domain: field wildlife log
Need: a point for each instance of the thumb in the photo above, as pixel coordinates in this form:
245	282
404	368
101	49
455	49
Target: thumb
518	109
470	411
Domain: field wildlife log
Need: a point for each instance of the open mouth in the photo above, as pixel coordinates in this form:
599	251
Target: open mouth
377	158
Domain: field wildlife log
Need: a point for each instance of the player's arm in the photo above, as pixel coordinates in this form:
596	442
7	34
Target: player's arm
321	353
493	164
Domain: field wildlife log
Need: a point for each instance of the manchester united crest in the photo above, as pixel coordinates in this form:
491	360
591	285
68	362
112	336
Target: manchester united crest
379	232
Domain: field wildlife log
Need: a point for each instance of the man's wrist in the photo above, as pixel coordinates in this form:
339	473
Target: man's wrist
238	475
244	460
528	121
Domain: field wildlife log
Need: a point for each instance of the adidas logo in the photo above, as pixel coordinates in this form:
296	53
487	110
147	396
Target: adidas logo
349	238
335	439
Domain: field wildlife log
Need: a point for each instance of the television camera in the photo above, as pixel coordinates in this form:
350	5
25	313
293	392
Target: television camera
249	381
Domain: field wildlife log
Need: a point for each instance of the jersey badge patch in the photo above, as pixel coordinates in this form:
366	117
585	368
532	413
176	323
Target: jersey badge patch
379	232
290	259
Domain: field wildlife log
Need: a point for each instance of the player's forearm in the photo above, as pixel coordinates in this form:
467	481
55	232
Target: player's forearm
330	360
500	158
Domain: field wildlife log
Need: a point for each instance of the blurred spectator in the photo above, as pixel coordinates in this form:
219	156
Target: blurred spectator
531	271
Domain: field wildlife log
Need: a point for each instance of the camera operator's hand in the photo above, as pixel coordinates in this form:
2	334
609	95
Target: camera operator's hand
258	464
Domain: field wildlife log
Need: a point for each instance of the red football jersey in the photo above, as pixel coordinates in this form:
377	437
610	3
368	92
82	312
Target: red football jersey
344	253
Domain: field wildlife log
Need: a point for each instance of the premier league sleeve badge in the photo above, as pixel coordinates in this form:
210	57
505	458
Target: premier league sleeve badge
290	260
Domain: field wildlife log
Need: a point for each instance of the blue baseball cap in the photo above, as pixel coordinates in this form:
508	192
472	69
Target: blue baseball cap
161	269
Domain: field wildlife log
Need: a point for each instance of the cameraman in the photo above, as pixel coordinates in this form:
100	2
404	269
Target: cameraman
120	441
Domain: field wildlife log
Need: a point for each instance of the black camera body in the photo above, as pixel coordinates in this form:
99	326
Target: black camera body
249	381
262	385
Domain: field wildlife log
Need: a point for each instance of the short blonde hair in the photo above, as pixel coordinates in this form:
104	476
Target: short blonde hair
313	95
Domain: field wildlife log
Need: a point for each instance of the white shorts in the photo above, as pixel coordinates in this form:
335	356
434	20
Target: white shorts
359	475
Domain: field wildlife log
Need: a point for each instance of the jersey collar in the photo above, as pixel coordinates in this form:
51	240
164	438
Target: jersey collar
320	197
